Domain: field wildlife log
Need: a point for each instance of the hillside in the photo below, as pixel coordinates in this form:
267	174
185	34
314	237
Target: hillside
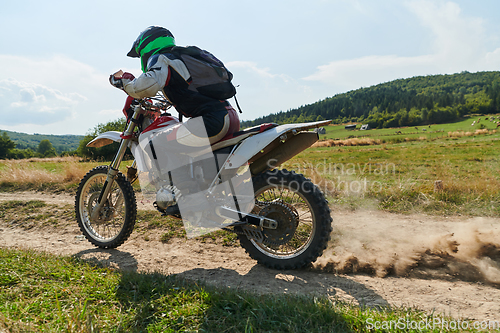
59	142
404	102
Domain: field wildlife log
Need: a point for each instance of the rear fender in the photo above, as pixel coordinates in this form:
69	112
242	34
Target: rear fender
274	146
280	151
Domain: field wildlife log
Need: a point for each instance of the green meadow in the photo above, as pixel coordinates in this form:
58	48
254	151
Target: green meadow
449	169
438	169
47	293
429	132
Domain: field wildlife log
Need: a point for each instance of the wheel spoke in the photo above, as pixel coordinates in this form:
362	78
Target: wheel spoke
303	221
113	217
302	210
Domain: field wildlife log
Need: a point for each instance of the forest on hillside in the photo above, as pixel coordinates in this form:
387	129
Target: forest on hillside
405	102
61	143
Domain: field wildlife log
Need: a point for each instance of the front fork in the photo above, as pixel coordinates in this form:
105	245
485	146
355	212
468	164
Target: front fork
113	167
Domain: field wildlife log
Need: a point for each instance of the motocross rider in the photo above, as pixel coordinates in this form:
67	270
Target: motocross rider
163	70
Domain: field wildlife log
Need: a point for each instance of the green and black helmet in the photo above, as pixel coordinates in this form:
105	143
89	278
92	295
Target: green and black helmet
151	41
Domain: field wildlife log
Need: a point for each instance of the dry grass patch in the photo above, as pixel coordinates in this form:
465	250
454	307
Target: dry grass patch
348	142
459	134
41	173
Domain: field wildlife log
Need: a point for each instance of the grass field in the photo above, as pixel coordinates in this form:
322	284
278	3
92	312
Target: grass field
51	174
447	172
447	169
46	293
442	171
429	132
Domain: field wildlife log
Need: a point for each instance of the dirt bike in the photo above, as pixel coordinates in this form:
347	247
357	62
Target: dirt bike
280	217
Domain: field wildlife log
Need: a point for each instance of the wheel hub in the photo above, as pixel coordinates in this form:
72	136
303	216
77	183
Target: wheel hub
287	223
106	213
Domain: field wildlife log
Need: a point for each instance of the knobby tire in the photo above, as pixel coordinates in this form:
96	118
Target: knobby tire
321	221
88	228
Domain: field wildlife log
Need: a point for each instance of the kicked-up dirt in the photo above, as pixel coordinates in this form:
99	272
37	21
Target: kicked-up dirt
448	265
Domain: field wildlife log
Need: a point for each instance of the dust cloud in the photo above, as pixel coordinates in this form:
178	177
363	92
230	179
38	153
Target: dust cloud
428	247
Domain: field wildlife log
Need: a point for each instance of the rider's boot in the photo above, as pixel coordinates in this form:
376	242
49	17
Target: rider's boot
194	201
191	198
173	210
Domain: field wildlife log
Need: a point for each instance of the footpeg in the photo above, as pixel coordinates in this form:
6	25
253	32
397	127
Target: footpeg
252	233
260	221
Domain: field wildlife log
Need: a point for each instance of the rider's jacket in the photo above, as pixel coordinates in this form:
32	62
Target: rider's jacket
167	72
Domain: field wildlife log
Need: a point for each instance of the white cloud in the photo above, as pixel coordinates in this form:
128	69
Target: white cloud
251	66
31	103
56	95
58	71
459	43
115	113
370	70
457	39
492	59
263	73
267	92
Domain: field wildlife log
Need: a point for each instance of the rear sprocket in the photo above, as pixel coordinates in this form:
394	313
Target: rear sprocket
287	223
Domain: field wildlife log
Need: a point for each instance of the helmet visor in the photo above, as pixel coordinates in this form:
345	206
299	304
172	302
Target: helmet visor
133	53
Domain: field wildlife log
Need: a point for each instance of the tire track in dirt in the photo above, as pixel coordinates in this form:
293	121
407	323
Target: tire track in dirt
447	265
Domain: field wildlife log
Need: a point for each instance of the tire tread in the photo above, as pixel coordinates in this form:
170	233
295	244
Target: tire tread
323	222
130	209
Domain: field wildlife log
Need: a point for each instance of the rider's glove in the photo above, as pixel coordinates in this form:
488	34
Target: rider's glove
117	82
120	82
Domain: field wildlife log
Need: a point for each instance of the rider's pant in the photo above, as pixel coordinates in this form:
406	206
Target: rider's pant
215	126
193	138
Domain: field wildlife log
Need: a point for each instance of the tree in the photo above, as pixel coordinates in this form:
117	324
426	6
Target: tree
21	153
6	144
465	93
106	152
45	149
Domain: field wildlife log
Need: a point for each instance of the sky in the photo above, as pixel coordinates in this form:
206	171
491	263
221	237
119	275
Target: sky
56	56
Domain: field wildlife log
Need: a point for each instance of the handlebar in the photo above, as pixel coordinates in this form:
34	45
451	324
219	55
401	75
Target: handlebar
161	105
147	104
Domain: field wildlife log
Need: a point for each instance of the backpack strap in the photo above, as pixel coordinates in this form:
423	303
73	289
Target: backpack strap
236	100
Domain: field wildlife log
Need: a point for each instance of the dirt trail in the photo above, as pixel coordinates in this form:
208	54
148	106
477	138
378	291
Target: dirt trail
447	265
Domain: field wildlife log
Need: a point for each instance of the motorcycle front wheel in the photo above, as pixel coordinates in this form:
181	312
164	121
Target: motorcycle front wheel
116	219
303	216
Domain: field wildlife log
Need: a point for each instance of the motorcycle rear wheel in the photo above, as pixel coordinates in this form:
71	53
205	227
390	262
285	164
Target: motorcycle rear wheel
117	218
303	216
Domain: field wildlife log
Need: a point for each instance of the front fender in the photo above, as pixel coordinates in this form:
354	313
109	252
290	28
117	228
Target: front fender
105	139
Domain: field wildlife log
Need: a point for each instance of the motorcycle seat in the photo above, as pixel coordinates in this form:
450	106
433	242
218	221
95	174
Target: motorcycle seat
234	138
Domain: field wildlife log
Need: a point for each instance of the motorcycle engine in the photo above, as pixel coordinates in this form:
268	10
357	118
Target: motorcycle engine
167	196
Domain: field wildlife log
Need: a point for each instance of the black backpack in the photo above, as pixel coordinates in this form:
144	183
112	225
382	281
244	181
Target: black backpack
209	76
